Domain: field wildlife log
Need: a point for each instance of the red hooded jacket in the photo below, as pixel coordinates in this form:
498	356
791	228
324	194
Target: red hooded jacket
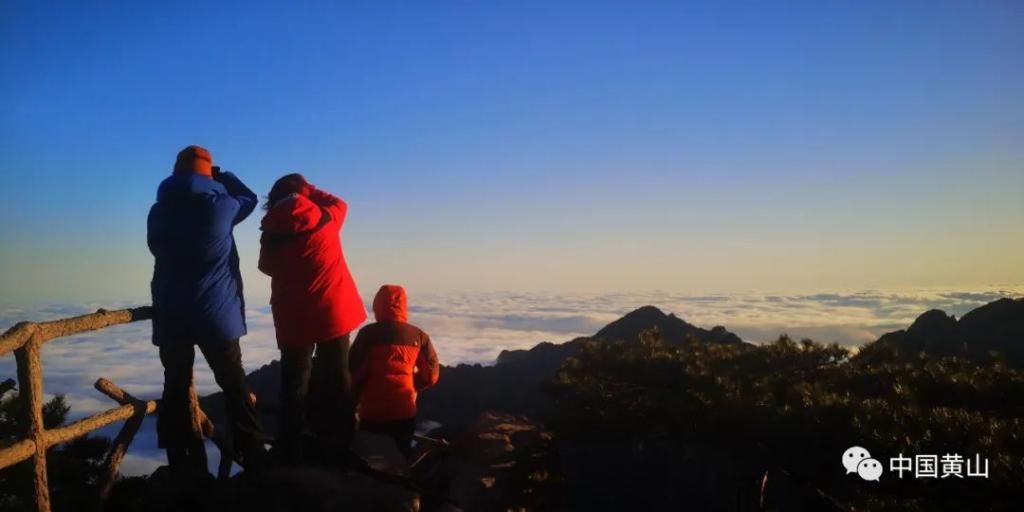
391	360
312	294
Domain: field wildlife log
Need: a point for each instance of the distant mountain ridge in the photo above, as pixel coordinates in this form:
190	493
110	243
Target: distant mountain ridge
674	330
514	383
996	327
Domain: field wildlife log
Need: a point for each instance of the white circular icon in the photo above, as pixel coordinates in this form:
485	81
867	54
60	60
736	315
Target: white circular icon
869	469
852	456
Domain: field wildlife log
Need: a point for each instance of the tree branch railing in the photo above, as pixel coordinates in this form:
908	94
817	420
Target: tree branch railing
26	339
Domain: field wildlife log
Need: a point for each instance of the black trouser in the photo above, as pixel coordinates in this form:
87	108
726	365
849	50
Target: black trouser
316	394
401	431
173	424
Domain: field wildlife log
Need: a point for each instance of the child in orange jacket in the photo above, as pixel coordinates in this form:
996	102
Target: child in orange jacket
391	360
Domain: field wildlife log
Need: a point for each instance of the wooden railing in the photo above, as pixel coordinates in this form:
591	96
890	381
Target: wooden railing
26	340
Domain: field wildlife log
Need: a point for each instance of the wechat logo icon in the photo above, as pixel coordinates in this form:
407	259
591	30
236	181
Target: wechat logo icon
857	460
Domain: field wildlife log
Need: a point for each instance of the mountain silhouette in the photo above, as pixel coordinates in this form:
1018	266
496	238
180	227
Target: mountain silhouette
995	328
514	383
674	330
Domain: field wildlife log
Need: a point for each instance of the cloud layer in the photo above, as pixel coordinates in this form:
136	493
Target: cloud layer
474	328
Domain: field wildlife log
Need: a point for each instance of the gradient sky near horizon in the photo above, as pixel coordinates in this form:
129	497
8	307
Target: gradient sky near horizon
565	146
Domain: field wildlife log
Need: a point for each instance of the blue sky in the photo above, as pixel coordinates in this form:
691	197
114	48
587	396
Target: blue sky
571	147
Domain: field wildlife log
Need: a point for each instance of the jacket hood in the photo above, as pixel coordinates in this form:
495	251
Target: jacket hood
181	186
293	214
390	304
194	159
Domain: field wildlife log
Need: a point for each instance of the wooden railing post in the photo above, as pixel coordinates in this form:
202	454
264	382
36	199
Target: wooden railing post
124	437
30	377
203	428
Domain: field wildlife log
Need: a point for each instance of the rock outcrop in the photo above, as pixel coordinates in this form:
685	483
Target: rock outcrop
499	462
504	462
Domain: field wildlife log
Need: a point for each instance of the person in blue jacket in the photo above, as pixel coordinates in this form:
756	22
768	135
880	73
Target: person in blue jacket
197	301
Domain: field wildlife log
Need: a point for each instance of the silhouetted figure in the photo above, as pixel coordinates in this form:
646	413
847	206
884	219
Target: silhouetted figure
391	361
315	305
197	300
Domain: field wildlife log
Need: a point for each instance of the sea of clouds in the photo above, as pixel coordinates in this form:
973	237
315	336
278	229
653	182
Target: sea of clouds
474	328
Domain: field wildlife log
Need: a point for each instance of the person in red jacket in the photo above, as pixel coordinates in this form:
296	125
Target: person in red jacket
391	361
315	305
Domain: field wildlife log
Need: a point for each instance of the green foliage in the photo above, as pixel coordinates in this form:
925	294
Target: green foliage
74	468
797	406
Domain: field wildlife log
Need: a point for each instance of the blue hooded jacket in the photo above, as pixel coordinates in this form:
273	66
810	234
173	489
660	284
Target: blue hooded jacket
197	286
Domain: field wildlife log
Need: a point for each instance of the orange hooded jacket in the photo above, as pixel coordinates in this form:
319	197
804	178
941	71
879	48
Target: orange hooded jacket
391	360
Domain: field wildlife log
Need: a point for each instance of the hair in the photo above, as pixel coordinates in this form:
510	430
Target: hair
286	185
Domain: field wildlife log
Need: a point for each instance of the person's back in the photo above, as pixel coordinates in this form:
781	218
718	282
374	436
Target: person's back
316	305
197	287
391	361
313	294
197	301
388	380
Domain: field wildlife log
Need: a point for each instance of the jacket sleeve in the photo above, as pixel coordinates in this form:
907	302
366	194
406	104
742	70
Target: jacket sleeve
428	369
245	197
357	367
153	237
265	263
333	204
